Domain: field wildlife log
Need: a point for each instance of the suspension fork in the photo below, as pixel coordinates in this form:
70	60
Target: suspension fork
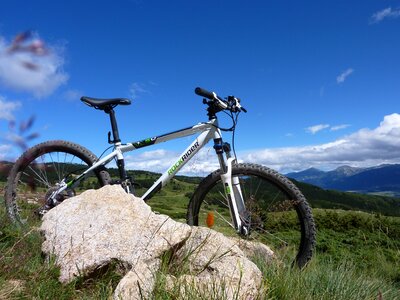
232	188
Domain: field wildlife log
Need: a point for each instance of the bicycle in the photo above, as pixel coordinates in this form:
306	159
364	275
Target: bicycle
261	203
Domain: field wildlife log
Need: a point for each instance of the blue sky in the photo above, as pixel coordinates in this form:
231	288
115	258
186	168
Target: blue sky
320	79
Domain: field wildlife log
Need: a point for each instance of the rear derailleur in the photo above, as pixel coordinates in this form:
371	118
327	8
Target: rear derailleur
53	198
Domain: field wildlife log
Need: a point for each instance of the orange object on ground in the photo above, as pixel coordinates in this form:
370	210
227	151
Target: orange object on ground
210	219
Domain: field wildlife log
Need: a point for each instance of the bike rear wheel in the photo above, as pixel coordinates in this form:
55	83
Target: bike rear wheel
38	172
280	215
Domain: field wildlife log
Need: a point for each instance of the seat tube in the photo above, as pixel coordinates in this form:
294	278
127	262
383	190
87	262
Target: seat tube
125	180
117	142
114	126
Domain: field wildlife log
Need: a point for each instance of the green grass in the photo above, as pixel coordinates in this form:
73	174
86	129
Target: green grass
325	279
24	273
372	242
173	200
357	257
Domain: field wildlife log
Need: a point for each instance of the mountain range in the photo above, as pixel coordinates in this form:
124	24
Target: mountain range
383	179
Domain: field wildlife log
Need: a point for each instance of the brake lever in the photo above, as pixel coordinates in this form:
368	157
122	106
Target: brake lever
221	103
235	103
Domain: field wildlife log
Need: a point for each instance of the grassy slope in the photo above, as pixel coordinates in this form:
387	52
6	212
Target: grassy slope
358	257
320	198
317	197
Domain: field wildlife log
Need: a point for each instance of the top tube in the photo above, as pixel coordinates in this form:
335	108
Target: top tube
170	136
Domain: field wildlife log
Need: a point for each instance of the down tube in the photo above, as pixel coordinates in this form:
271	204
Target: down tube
190	151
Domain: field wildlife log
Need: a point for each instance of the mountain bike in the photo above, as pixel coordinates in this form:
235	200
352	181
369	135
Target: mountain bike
248	200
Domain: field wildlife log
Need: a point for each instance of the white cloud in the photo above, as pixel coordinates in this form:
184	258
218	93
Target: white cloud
363	148
5	151
27	71
342	77
316	128
366	147
384	14
339	127
136	89
160	160
72	95
7	109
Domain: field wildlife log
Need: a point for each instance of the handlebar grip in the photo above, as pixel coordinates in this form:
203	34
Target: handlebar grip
204	93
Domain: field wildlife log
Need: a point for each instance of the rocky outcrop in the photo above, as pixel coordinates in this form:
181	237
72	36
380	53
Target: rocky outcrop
217	267
99	226
91	230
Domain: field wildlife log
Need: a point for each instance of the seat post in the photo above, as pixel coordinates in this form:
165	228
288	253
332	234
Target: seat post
114	126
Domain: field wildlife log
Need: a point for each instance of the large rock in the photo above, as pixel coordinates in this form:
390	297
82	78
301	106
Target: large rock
93	229
217	267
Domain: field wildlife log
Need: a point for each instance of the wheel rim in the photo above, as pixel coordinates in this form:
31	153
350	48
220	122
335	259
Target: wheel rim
39	176
275	221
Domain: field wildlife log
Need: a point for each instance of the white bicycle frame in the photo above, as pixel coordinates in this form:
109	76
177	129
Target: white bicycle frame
208	131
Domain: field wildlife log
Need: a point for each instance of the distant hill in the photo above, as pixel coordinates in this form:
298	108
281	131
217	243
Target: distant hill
316	196
331	199
383	179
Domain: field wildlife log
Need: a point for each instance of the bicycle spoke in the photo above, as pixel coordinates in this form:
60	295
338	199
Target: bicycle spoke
268	233
221	216
44	169
38	178
272	218
38	174
226	203
258	187
62	164
55	167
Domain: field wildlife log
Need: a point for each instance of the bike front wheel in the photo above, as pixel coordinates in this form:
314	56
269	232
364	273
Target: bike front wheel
39	171
280	216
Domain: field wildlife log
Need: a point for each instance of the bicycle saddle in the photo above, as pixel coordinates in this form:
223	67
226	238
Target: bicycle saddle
103	104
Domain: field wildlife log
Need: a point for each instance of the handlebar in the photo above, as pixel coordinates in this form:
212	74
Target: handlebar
204	93
233	103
